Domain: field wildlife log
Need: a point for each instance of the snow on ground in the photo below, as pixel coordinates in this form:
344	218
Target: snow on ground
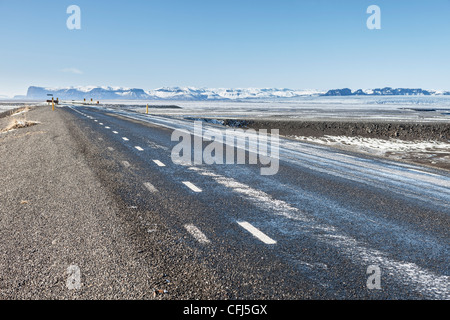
432	152
6	107
14	104
383	108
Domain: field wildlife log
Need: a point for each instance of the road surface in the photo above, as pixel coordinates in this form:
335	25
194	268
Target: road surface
328	225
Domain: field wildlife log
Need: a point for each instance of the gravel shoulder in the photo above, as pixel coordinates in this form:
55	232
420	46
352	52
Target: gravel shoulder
55	214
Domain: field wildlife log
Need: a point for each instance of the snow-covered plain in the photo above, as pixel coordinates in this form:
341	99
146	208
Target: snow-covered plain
389	108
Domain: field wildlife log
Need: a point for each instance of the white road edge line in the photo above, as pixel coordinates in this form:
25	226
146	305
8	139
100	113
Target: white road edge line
197	234
150	187
159	163
191	186
256	232
424	172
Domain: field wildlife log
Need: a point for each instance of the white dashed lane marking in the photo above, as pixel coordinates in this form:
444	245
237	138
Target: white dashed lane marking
196	233
125	138
150	187
159	163
139	148
192	186
256	232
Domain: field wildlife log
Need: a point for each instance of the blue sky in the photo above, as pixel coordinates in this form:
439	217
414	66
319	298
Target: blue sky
311	44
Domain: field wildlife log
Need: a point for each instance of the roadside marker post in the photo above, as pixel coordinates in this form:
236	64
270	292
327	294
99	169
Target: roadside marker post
53	104
147	109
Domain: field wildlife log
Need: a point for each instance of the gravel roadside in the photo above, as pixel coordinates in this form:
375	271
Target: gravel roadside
56	218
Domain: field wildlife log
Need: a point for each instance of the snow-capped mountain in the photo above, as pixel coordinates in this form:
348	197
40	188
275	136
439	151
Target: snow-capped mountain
168	93
387	91
190	93
80	93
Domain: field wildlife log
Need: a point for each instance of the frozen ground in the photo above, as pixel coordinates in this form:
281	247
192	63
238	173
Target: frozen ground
386	108
6	105
434	153
370	108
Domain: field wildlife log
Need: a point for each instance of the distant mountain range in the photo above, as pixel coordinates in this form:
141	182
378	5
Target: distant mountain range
384	92
195	94
173	93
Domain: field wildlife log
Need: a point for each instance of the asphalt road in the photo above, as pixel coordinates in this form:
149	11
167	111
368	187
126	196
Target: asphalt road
321	228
